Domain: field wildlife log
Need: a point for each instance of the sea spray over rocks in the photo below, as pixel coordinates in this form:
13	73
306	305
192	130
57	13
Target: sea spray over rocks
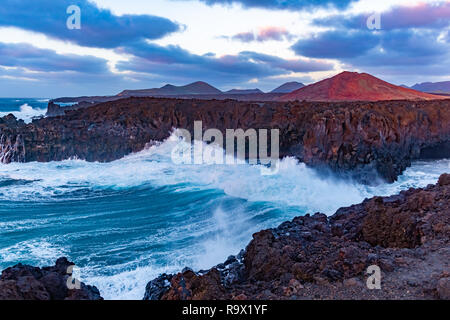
159	217
364	140
320	257
406	236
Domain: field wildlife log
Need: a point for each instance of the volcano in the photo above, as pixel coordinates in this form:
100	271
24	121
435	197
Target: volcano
354	86
288	87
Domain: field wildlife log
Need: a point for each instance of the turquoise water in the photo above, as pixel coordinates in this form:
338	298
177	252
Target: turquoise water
125	222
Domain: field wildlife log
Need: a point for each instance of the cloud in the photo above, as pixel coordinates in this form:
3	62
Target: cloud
44	60
273	33
294	65
99	27
283	4
425	15
263	34
405	48
336	44
18	82
244	37
177	63
402	52
34	72
27	71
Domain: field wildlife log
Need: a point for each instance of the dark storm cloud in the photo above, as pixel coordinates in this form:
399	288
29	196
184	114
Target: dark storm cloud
284	4
35	59
263	34
337	44
173	61
99	27
425	15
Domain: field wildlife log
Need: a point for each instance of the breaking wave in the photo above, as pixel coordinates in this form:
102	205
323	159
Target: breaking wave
127	221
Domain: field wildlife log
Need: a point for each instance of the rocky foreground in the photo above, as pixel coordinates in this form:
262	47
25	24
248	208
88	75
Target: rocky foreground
366	140
315	257
23	282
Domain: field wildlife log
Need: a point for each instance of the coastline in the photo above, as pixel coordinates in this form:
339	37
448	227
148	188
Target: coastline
311	257
363	140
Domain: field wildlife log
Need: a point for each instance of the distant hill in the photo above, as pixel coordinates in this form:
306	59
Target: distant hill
288	87
199	87
353	86
246	91
434	87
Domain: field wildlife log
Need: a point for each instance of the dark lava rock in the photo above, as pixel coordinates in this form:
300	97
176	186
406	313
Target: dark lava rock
23	282
443	288
155	289
406	236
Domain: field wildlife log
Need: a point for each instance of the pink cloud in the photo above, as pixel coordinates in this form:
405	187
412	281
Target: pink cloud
418	16
244	36
264	34
273	33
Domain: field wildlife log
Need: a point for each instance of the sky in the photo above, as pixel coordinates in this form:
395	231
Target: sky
244	44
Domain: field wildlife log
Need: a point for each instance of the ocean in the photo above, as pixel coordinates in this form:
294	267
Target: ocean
23	108
123	223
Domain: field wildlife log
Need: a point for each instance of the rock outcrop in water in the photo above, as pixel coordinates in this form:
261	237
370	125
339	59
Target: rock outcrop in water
23	282
314	257
363	139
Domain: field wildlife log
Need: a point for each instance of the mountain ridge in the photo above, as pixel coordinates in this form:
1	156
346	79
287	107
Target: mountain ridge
433	87
288	87
198	87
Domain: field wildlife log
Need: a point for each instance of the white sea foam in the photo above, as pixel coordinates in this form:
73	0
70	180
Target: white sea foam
212	237
294	185
42	251
26	113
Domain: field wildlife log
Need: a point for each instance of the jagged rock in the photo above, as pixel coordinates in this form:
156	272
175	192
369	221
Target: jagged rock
406	236
23	282
155	289
54	110
444	180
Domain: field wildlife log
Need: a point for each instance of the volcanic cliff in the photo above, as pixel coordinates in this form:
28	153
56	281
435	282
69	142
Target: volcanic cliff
363	139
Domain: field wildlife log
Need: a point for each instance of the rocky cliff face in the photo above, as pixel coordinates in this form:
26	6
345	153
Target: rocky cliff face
364	139
23	282
12	145
315	257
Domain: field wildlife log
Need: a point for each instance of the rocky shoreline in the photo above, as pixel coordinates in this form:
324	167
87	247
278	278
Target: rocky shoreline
311	257
22	282
365	140
316	257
